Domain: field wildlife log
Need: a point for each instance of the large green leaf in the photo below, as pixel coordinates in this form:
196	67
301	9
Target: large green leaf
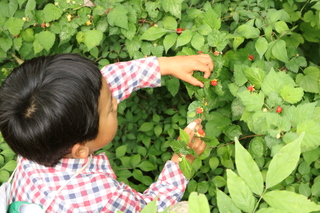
198	203
284	162
169	23
275	81
312	134
251	101
211	18
270	210
172	6
51	12
261	46
15	25
184	38
247	31
92	38
309	81
248	169
186	168
288	201
255	75
118	16
153	33
197	41
240	192
225	203
279	50
46	39
169	40
291	94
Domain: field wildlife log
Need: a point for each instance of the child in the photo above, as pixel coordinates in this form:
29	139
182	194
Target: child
55	111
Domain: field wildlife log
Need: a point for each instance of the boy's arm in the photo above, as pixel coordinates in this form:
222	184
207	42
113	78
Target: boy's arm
126	77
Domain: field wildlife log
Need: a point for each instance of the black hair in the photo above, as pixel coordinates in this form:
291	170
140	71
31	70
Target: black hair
48	104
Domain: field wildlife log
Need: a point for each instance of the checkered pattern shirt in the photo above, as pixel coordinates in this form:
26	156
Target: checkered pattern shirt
96	188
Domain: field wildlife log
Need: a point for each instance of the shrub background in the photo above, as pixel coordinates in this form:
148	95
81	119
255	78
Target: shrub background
273	45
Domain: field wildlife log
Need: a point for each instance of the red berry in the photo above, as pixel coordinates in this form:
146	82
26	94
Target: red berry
251	88
250	57
200	52
179	30
216	53
214	82
279	109
200	131
44	25
199	110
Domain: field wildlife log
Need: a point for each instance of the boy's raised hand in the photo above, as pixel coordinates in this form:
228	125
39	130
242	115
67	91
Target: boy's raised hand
182	67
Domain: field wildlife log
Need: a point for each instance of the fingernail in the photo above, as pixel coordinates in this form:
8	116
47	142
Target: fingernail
192	125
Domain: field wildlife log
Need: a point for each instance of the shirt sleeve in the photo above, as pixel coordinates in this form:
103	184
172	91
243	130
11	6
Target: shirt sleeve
169	188
126	77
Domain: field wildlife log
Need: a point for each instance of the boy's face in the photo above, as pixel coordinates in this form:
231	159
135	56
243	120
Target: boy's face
108	122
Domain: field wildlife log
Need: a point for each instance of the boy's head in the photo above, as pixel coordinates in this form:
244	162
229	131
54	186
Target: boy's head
50	104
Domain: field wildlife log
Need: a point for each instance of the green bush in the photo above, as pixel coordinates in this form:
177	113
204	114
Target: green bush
265	91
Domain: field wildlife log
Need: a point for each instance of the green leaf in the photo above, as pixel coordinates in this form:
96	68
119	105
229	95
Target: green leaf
261	46
315	189
197	41
309	81
211	18
251	101
281	26
291	94
15	25
198	203
153	33
269	210
255	75
36	45
150	207
92	38
147	126
172	6
121	151
46	39
4	175
225	203
147	166
169	41
157	130
5	43
186	168
10	165
284	162
135	160
51	12
275	81
169	23
240	78
247	31
290	202
173	85
184	38
184	136
237	41
311	136
279	51
240	192
248	169
118	16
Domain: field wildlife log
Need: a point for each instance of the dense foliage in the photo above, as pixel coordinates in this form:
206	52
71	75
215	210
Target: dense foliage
259	108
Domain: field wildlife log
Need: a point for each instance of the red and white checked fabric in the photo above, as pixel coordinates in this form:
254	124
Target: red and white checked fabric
96	188
126	77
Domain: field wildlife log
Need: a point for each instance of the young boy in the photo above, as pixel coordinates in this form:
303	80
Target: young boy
55	111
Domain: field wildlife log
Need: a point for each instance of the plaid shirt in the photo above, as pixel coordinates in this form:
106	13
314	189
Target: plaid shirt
96	188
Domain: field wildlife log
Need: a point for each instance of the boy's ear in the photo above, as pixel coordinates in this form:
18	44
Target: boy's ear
80	151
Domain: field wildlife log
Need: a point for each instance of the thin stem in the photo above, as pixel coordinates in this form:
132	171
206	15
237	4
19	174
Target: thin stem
255	208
